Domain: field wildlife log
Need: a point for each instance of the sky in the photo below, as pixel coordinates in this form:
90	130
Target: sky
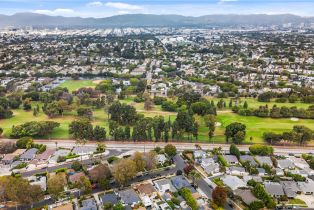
105	8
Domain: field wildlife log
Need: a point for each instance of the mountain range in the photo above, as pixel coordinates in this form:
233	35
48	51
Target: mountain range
149	20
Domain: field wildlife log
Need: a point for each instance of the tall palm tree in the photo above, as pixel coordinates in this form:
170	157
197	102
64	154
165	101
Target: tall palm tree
81	142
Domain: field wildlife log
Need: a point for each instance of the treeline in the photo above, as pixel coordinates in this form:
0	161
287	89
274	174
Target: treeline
277	112
303	94
34	129
299	134
123	117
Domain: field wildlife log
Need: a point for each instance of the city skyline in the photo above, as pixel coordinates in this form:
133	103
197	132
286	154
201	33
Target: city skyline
97	9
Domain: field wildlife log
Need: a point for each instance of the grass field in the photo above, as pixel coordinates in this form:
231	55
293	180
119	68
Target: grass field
77	84
255	126
253	103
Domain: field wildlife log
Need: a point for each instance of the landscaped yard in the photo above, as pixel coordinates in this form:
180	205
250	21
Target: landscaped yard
298	202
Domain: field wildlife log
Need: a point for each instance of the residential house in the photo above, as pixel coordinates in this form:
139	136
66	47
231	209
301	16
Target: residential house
63	206
29	154
307	188
199	154
147	201
261	171
89	204
246	195
290	188
285	164
279	172
38	180
231	159
237	171
274	189
146	189
206	162
299	162
129	197
57	154
180	182
233	182
109	198
255	178
161	159
45	155
164	185
248	158
212	169
76	177
9	158
264	160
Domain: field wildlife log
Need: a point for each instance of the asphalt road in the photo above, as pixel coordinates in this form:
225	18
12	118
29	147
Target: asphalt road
141	146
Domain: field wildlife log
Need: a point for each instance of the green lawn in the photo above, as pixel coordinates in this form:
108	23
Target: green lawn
253	103
255	126
297	201
77	84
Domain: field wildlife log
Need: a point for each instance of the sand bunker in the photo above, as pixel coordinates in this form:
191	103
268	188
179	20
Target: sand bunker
217	124
294	119
97	81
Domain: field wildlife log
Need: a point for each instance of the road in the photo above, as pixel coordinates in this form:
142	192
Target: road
141	146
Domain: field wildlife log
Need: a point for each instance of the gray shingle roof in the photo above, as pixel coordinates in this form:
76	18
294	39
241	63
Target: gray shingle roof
248	158
264	160
246	195
180	182
285	164
29	154
109	198
274	189
129	196
231	159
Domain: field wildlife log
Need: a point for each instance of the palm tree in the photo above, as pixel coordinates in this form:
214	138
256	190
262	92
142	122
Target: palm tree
81	142
217	151
101	147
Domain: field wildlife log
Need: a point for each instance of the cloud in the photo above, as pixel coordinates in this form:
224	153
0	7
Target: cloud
95	4
123	6
59	11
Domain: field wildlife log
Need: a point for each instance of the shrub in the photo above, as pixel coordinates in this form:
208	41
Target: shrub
159	100
61	159
256	205
24	143
262	150
169	106
222	161
187	195
112	159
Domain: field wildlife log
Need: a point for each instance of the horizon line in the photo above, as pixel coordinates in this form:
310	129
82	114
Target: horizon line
221	14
